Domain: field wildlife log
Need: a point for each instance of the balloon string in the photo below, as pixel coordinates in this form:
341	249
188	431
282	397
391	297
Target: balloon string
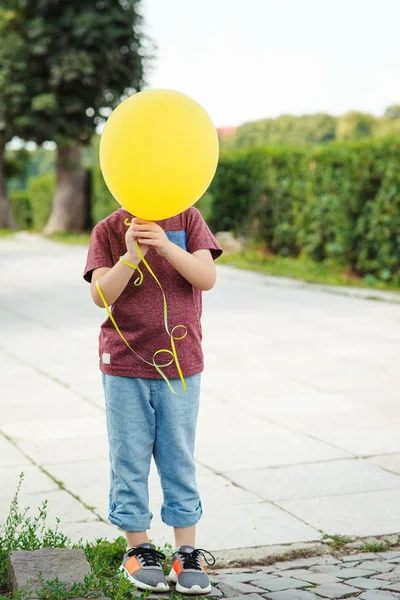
171	333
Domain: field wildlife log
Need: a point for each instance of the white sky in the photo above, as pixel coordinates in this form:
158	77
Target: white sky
245	60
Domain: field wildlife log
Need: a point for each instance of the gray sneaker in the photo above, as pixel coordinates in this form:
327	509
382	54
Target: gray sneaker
141	565
189	572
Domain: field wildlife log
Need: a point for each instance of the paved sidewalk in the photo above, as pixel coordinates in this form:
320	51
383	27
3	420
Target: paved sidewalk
367	576
299	426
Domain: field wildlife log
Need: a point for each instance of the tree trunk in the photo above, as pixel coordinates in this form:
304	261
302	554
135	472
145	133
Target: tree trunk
69	204
6	216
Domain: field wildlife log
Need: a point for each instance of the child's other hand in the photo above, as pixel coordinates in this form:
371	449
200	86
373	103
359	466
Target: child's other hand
150	234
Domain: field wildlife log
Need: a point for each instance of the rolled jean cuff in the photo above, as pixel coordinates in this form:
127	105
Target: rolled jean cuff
128	522
178	517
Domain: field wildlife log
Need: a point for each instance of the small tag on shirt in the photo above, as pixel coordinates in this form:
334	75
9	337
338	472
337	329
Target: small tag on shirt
106	358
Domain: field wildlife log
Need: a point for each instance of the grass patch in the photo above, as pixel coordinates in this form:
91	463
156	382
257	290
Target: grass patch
337	541
20	532
6	233
304	269
70	237
375	547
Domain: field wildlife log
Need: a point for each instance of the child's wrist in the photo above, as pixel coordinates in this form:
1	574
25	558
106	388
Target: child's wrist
166	250
132	258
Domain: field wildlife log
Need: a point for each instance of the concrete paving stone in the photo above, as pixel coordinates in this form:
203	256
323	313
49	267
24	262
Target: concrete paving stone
278	584
47	411
378	566
351	573
50	452
335	590
390	462
23	389
290	595
262	581
245	588
311	561
287	595
60	504
248	597
371	513
202	470
393	576
227	590
215	488
310	576
324	569
57	429
389	554
379	595
315	479
34	482
393	587
89	478
261	524
11	456
90	390
243	577
360	556
268	445
214	593
91	531
365	583
363	442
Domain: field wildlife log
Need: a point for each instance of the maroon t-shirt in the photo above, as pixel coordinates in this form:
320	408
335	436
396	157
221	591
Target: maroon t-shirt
139	309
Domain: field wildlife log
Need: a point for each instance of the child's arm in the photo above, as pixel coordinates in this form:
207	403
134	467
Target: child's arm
113	281
197	268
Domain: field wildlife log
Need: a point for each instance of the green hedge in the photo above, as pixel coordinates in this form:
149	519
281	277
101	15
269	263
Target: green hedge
338	202
21	208
103	203
41	191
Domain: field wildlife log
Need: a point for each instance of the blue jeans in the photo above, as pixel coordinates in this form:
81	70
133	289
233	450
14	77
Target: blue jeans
143	419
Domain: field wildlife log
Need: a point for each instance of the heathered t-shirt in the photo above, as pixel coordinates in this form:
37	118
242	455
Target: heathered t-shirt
139	309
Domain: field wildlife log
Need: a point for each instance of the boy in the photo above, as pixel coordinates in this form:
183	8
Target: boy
144	417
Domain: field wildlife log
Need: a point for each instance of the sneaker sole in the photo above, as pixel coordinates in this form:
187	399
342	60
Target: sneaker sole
161	587
195	589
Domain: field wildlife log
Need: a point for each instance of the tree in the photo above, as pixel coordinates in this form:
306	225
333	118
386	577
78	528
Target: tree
355	126
286	129
81	58
392	112
14	98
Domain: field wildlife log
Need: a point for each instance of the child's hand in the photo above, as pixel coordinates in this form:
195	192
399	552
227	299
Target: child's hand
150	234
130	239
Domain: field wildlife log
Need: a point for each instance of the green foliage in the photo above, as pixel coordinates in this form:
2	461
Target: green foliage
21	532
286	129
338	203
375	547
355	126
15	97
67	64
103	203
314	129
392	112
41	192
21	207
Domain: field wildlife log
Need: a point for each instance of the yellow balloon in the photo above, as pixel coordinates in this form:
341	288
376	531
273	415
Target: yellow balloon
158	153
